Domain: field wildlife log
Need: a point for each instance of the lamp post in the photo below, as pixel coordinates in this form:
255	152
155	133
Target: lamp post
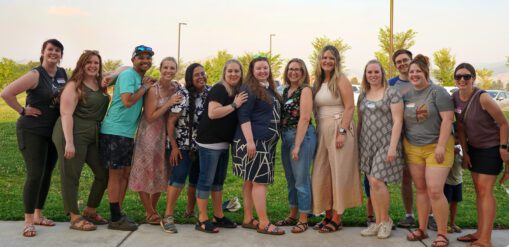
178	49
270	43
391	40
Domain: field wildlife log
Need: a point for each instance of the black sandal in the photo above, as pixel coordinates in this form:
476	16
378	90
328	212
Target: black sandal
224	222
206	226
300	227
327	229
288	221
322	223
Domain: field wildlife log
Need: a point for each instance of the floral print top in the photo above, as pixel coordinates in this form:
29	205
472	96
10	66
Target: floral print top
291	108
182	130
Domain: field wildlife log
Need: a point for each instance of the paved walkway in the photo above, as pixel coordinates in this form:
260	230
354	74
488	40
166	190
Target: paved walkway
152	236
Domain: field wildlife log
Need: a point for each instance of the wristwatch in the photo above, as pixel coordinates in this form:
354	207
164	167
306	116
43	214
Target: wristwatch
342	131
234	106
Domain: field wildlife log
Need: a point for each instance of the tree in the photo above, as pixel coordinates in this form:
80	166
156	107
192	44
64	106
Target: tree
507	87
507	64
111	65
401	40
321	42
497	85
484	76
275	61
10	70
214	66
445	62
153	72
354	80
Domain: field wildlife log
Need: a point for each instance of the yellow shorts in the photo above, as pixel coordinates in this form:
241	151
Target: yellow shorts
425	155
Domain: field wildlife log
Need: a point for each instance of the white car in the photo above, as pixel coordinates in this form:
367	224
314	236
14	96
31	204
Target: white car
356	91
501	97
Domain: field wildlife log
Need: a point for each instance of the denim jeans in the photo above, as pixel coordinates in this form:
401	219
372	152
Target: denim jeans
213	168
184	168
297	171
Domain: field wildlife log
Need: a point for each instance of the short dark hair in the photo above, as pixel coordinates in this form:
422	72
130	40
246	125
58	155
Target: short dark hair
54	42
399	52
466	66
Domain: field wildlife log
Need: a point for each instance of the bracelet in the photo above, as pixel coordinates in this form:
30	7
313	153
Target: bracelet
144	87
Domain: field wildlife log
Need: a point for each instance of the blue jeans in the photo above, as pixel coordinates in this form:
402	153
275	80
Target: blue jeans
184	168
297	171
213	168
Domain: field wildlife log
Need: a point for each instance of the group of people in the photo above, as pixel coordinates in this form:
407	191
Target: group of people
154	135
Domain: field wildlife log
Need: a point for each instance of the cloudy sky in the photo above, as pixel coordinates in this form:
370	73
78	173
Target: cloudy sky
476	31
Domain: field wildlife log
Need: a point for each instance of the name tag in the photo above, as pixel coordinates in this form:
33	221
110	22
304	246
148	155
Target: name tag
289	101
60	81
410	105
370	105
457	110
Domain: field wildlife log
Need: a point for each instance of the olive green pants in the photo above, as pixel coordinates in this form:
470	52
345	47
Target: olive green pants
86	151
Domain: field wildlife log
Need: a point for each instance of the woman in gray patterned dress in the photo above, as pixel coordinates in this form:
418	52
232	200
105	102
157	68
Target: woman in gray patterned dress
380	111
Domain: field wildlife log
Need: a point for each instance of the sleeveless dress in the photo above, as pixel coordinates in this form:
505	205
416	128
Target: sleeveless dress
150	169
375	138
335	181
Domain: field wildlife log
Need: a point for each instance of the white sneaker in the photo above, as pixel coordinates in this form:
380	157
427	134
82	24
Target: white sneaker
385	229
371	230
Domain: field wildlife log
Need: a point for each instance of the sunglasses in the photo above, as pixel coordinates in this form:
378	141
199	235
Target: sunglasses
142	48
465	77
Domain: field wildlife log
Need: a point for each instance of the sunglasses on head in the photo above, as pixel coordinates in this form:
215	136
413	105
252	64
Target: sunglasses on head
465	77
143	48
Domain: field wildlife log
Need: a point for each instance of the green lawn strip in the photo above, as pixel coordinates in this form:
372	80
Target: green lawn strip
12	175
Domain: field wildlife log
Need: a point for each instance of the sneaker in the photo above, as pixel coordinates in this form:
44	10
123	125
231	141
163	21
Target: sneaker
168	224
124	224
372	230
232	205
407	222
432	224
385	229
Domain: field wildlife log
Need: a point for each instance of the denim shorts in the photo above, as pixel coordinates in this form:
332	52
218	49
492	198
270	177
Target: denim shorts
213	169
186	167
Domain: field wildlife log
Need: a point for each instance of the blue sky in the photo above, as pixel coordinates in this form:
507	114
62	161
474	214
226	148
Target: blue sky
476	31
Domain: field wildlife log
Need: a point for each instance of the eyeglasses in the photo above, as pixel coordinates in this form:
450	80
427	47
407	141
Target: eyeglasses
404	60
465	77
141	48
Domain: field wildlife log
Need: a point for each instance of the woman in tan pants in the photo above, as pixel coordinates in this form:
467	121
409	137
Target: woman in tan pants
336	178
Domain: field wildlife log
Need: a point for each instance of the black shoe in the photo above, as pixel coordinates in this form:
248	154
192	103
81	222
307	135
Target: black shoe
224	222
407	222
124	224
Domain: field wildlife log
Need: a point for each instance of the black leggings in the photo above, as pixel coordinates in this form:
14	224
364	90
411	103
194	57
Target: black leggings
40	158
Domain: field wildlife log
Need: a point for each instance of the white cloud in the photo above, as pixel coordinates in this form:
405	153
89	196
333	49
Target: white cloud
67	11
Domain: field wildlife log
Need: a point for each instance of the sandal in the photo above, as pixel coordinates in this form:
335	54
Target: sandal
289	221
322	223
300	227
412	236
275	231
444	242
168	224
251	224
43	221
153	219
224	222
467	238
335	227
29	231
206	226
96	219
81	224
453	229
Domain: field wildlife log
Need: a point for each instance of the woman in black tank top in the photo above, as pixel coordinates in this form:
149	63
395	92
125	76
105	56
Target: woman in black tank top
34	127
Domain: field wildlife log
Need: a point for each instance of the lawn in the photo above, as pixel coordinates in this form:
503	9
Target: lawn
12	174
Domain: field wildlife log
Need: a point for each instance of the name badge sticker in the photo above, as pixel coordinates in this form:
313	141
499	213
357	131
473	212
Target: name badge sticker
410	105
289	101
370	105
60	81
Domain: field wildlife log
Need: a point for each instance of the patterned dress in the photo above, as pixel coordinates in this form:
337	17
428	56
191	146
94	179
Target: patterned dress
375	137
260	169
150	164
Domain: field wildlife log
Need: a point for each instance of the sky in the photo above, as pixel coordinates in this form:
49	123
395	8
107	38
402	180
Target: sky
475	31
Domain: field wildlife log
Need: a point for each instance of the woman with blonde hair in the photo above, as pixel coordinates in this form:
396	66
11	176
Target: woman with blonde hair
299	143
336	177
380	120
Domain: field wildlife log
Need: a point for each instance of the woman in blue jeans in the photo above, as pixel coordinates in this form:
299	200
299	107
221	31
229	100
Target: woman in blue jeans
299	143
215	133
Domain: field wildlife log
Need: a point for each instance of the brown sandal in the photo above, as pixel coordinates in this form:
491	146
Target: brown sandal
250	224
300	227
289	221
467	238
275	231
29	231
95	218
444	242
328	229
81	224
322	223
43	221
153	219
412	236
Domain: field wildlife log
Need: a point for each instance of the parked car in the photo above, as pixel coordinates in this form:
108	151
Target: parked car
451	90
356	90
501	97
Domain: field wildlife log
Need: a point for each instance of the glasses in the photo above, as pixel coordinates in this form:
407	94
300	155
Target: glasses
465	77
91	51
141	48
404	60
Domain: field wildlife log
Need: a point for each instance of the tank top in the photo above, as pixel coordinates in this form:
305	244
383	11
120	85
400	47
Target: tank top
327	104
481	129
44	97
93	106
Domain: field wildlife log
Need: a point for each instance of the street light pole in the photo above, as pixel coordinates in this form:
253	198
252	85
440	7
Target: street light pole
178	49
270	43
391	38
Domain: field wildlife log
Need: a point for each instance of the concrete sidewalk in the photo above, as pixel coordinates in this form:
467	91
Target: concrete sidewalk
152	236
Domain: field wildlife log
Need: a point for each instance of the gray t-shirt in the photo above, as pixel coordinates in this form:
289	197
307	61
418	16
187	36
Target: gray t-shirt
401	85
422	113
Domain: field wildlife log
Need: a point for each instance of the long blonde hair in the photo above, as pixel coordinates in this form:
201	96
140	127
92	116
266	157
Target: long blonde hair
320	74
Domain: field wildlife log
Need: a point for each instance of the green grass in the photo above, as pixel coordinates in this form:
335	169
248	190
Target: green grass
12	174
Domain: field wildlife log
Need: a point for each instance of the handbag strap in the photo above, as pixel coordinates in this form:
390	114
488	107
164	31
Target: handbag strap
463	114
